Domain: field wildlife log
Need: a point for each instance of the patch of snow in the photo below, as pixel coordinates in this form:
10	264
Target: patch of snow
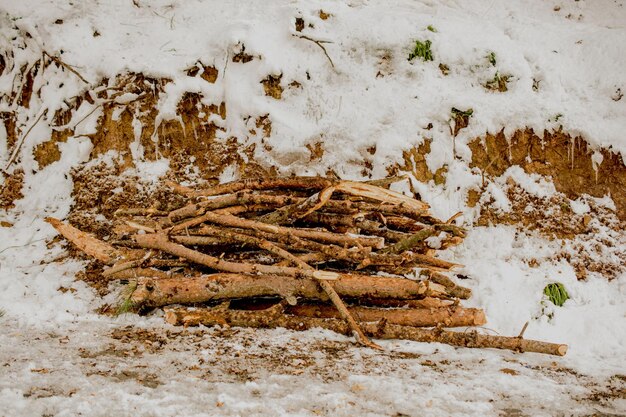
579	206
533	184
230	173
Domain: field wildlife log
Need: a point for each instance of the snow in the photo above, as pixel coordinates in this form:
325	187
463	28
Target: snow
579	206
566	62
510	290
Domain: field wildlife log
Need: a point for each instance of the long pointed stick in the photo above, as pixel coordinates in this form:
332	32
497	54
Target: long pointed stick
274	317
87	242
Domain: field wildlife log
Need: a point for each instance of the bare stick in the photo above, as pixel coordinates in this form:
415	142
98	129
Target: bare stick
425	317
149	212
66	66
382	195
328	237
380	330
334	252
122	266
426	302
386	182
453	289
332	206
411	242
198	209
340	221
21	141
291	213
318	43
297	183
160	241
157	288
353	188
87	242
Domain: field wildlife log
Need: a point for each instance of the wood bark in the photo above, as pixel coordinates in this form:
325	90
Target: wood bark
426	302
320	236
411	242
369	226
296	183
426	317
160	241
87	242
354	188
289	214
408	261
386	182
381	330
140	211
381	195
453	289
157	288
229	200
332	206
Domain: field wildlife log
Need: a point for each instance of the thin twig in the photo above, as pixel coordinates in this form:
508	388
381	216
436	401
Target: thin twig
86	116
454	217
521	334
66	66
318	43
22	139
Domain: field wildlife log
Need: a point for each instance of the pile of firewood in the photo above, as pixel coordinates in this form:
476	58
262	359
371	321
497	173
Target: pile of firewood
301	252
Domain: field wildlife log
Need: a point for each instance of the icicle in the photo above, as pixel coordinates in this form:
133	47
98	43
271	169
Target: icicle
596	160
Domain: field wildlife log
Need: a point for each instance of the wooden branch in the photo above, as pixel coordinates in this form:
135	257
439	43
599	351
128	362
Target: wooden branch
332	206
403	223
386	182
318	43
149	212
343	221
160	241
381	195
197	209
201	240
320	236
87	242
20	142
124	265
66	66
353	188
242	198
411	242
453	289
426	302
380	330
354	207
407	261
425	317
291	213
157	288
296	183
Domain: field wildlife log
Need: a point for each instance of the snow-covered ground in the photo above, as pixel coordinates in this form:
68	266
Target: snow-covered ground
566	63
